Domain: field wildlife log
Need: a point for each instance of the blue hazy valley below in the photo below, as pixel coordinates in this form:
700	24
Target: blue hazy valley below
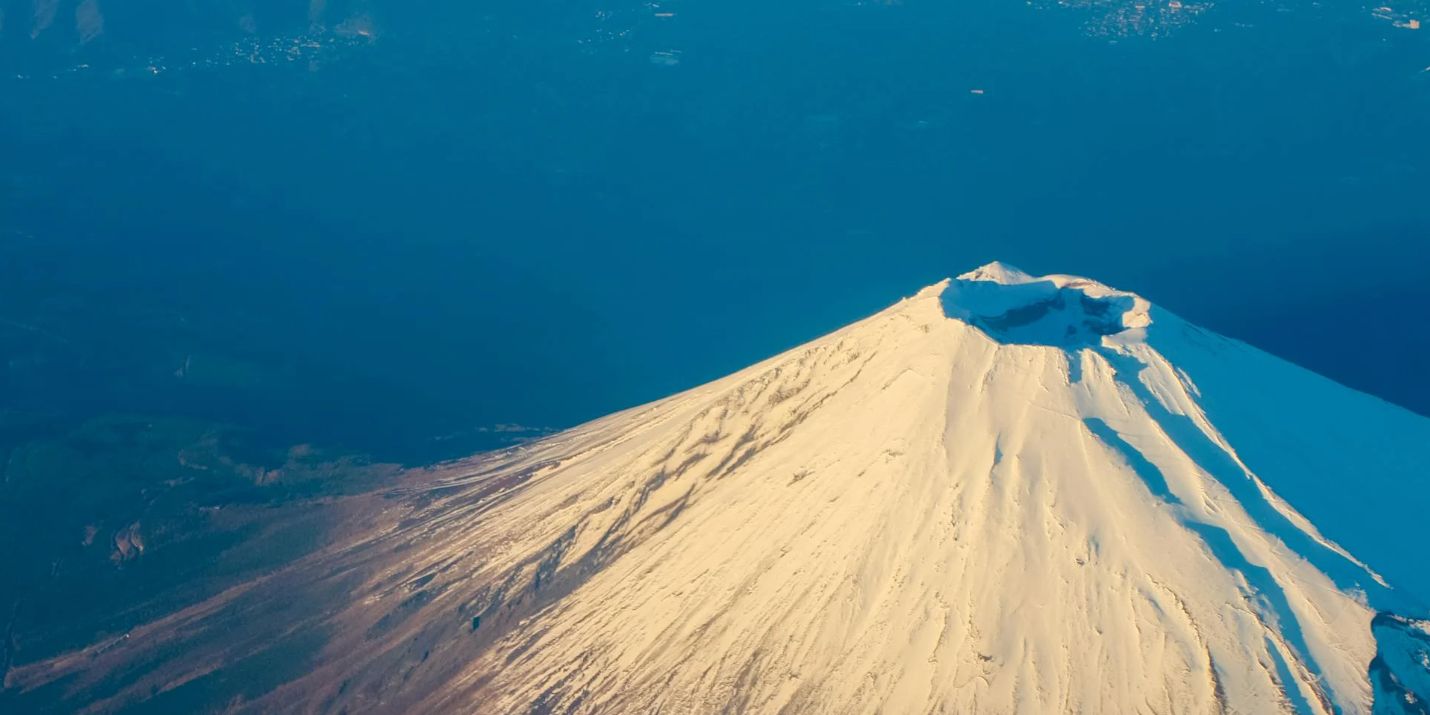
263	253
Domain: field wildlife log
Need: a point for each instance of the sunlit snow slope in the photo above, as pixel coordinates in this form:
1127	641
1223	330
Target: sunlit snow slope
1004	494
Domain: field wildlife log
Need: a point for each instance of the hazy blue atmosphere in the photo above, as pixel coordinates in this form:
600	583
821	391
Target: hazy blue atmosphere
383	226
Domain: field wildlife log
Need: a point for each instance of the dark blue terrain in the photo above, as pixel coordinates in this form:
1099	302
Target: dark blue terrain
376	225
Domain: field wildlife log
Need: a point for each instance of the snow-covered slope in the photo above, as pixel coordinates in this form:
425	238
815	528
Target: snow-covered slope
1005	494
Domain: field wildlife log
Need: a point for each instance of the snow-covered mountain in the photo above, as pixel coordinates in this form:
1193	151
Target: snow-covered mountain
1003	494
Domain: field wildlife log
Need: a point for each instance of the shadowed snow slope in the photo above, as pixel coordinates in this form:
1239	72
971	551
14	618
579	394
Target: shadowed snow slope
1005	494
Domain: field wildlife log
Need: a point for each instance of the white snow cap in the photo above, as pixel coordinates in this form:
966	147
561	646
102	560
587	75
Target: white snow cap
1012	306
997	272
1006	494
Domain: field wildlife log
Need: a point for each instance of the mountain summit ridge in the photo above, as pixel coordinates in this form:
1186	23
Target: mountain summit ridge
1005	494
1060	310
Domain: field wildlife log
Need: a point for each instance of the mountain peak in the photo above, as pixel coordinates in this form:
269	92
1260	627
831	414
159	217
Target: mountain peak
901	516
1013	306
997	272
